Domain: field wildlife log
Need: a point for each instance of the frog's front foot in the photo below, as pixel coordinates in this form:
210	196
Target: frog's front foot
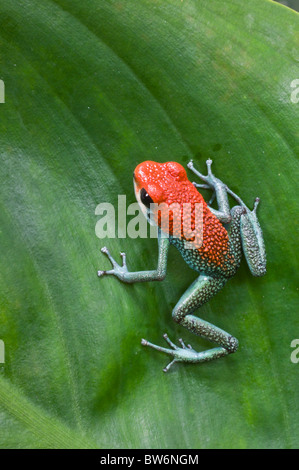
118	270
209	179
183	354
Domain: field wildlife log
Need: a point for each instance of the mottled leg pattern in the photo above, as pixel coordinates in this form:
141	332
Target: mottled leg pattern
235	240
198	293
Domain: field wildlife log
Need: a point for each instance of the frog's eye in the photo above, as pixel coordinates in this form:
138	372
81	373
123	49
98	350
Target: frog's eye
145	198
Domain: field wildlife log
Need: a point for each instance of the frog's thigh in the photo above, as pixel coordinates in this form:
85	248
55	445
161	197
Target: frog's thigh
202	290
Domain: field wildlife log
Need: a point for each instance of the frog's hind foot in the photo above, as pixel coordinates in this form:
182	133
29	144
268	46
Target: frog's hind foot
186	353
171	352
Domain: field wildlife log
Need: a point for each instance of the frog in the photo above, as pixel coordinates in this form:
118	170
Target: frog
226	234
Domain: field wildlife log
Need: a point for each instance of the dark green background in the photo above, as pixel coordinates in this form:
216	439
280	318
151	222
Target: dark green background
291	4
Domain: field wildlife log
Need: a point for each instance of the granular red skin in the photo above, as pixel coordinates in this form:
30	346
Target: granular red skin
168	183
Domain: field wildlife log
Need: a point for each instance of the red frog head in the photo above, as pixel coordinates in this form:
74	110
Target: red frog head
163	182
167	183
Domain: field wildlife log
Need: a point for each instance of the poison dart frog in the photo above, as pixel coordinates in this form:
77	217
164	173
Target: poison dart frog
216	256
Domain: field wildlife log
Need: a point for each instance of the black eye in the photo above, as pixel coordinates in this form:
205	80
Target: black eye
145	198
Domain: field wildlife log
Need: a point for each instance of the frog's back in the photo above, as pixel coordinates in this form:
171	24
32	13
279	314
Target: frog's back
208	249
212	255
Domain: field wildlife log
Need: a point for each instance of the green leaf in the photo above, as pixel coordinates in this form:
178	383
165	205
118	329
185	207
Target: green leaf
91	90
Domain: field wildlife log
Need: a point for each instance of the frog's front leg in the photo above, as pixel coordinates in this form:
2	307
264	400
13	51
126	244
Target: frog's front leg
198	293
220	192
122	273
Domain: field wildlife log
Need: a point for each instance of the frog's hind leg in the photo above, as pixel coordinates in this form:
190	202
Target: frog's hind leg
235	240
198	293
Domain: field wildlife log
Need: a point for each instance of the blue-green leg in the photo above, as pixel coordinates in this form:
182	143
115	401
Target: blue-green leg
220	192
122	273
198	293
